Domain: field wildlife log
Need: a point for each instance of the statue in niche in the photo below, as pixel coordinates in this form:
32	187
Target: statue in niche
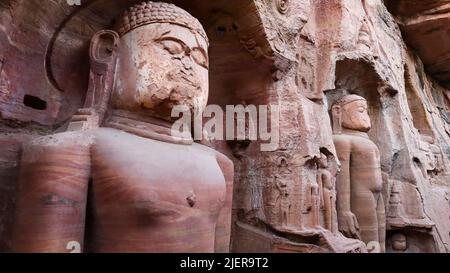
282	185
150	189
398	242
430	157
312	202
438	161
315	210
326	190
360	207
284	201
395	203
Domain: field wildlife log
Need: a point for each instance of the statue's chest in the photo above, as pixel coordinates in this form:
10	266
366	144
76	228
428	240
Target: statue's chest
145	176
366	152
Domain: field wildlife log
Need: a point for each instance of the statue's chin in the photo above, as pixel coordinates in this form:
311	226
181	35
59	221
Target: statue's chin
357	127
365	129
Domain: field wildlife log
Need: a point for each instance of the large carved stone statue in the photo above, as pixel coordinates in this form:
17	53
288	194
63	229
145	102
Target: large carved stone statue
360	207
119	180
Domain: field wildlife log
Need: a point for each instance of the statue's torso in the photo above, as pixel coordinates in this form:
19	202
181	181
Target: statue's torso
365	168
153	196
326	178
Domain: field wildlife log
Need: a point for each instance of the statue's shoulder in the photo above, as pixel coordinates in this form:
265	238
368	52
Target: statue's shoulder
63	139
222	159
102	133
342	139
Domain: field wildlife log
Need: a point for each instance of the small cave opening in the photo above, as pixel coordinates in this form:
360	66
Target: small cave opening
221	29
34	102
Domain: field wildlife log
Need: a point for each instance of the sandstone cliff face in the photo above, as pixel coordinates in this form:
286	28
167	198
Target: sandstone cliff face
425	27
300	55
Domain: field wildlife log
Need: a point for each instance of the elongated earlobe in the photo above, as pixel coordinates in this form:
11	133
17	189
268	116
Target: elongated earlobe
336	113
102	54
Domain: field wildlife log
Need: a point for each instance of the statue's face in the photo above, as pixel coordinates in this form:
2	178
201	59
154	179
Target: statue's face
399	243
355	116
160	66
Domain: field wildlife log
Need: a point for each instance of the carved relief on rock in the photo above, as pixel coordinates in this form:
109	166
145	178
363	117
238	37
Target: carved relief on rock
283	186
311	196
279	193
430	156
327	194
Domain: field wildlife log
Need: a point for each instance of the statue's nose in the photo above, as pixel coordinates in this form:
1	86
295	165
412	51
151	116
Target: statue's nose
186	61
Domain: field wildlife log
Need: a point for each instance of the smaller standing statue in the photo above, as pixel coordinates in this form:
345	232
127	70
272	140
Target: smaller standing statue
326	188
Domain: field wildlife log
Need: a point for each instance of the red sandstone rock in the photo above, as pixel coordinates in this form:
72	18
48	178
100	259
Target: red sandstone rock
301	55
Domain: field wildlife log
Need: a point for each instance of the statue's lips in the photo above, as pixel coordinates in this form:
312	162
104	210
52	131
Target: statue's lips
181	76
162	103
183	88
173	88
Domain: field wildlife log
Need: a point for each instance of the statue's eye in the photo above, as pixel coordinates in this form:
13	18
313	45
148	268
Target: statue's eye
200	57
173	47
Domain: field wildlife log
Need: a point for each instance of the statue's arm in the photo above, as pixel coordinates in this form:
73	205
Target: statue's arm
343	177
320	181
381	223
223	227
347	221
51	201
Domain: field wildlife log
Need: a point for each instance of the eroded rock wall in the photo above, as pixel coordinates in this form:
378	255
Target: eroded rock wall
300	55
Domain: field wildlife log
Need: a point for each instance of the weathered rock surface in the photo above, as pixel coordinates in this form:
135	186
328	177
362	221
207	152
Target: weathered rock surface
301	55
426	28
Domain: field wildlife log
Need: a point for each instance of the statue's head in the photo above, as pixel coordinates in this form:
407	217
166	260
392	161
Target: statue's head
398	242
162	61
350	112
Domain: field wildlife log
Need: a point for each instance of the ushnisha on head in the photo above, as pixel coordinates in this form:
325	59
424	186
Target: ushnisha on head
149	12
162	61
350	112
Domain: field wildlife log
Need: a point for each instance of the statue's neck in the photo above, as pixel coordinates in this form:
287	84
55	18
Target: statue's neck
146	126
352	132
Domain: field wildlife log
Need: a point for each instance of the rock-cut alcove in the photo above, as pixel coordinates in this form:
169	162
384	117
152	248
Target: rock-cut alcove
401	176
358	76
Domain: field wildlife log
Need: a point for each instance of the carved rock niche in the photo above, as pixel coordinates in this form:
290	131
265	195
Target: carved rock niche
405	212
359	77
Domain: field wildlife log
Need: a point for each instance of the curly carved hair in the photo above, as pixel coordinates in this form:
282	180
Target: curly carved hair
150	12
